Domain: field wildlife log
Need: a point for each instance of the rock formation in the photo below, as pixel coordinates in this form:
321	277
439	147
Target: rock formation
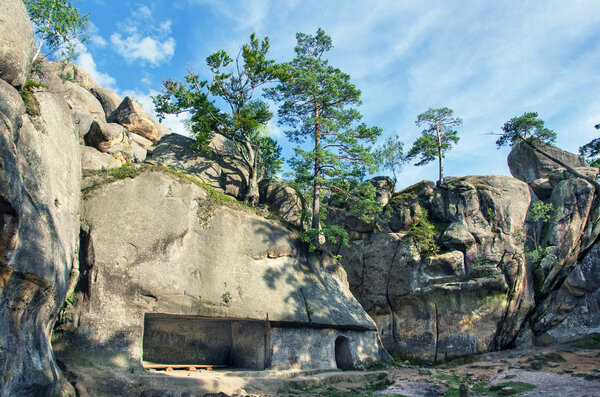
39	203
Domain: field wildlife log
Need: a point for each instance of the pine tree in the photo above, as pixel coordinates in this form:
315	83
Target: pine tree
317	104
437	138
245	119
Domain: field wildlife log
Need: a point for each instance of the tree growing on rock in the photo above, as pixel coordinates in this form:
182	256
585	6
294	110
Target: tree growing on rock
591	150
390	156
57	23
531	130
437	137
245	119
317	106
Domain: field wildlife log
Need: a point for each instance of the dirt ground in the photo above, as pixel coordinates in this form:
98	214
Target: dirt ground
562	370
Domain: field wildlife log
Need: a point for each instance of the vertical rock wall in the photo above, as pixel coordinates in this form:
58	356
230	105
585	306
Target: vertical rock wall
39	217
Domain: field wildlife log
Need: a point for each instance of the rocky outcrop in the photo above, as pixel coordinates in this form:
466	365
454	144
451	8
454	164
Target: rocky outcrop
94	160
39	205
472	297
16	44
184	252
133	117
107	98
216	169
284	201
533	168
104	136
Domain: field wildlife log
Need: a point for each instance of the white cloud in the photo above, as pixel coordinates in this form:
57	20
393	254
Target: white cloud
144	38
86	61
135	47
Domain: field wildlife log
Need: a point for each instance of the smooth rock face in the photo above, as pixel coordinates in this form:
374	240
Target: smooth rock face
107	98
218	172
39	243
422	305
179	254
283	201
93	160
528	165
79	96
133	117
16	42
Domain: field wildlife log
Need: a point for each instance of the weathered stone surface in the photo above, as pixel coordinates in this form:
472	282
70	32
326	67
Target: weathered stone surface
11	107
133	117
94	160
16	42
68	71
45	73
79	96
574	310
107	98
40	217
104	136
218	171
528	165
385	189
455	303
556	176
143	142
283	201
178	254
83	121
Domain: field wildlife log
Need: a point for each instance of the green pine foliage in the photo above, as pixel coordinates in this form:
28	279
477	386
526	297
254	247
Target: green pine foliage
437	138
591	150
317	104
527	127
242	119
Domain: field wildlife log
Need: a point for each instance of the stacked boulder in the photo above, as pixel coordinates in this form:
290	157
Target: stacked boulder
113	131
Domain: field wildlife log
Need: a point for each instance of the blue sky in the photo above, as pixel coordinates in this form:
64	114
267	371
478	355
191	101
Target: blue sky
487	60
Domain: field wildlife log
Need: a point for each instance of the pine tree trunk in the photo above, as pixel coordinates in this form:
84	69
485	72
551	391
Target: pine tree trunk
440	156
316	221
568	168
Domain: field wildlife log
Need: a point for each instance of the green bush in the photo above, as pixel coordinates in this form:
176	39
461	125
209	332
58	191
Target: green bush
423	232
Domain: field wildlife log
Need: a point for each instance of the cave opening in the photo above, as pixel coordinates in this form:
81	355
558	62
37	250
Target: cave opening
343	356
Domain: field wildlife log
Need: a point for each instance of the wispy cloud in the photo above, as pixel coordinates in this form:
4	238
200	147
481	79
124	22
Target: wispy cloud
144	38
86	61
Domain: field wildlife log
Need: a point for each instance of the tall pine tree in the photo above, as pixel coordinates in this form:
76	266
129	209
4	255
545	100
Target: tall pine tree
317	105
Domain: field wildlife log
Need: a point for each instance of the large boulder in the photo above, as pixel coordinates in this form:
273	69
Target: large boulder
215	168
17	44
79	96
39	206
528	165
94	160
133	117
284	201
104	136
107	98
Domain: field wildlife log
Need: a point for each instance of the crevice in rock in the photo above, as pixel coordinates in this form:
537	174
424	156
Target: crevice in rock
437	333
306	307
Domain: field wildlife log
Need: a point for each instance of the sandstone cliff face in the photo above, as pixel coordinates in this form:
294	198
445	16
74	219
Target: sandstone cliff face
39	205
482	291
466	300
174	250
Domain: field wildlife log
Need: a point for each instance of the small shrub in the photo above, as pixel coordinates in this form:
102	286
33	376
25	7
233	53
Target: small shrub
226	297
32	106
125	171
423	233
